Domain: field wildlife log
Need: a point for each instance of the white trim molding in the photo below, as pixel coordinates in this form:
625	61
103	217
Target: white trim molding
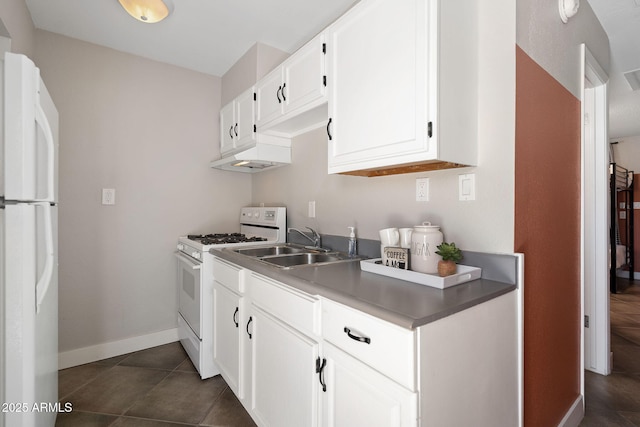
97	352
574	415
595	347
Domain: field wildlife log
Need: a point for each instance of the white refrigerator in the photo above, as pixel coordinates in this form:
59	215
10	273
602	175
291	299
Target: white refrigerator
28	247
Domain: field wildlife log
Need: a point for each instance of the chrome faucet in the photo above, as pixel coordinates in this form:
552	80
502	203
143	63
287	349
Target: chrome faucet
315	237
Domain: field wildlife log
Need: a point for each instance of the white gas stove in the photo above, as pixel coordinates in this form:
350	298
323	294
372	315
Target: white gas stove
258	225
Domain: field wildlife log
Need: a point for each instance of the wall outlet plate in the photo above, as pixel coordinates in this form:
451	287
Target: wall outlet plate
422	189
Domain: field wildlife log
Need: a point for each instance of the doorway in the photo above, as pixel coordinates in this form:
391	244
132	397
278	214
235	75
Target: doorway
595	337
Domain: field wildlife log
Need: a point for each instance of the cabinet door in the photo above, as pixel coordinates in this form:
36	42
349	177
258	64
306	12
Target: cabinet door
269	97
245	118
358	396
227	124
283	383
304	73
378	90
226	335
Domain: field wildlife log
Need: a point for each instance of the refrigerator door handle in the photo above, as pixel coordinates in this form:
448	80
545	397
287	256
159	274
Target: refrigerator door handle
41	120
42	286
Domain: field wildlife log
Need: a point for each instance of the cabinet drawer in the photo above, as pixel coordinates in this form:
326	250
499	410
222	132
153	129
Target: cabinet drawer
385	347
300	310
229	275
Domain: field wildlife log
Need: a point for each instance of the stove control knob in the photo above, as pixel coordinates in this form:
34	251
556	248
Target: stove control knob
196	255
180	247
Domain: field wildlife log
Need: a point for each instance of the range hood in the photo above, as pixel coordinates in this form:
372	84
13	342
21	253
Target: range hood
256	158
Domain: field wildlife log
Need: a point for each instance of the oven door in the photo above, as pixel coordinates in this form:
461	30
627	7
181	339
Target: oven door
189	288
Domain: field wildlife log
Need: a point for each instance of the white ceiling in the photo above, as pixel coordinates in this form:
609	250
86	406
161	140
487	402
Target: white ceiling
211	35
202	35
621	21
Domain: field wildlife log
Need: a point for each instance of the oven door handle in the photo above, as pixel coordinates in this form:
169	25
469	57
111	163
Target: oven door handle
188	261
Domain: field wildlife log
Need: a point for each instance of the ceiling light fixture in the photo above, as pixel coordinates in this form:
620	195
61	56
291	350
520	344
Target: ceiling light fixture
568	9
149	11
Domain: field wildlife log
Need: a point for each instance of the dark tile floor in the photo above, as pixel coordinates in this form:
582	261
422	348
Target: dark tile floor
614	400
157	387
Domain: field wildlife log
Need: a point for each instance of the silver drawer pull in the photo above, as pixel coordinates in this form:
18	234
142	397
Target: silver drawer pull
365	340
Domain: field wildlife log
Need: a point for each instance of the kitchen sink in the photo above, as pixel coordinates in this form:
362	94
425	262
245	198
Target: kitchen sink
290	261
272	250
288	255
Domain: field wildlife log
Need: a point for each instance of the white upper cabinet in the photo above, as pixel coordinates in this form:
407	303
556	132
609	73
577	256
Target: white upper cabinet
227	123
402	93
288	97
237	122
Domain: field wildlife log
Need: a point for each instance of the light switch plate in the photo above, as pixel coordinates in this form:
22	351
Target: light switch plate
108	196
312	209
467	186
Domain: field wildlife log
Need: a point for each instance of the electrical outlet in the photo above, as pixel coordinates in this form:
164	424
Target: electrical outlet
108	196
312	209
422	189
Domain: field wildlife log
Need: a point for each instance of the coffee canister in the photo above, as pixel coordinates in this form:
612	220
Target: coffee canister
425	239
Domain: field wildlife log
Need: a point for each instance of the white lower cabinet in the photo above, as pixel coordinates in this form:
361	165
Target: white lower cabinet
299	360
226	335
228	309
359	396
270	350
370	372
281	382
266	346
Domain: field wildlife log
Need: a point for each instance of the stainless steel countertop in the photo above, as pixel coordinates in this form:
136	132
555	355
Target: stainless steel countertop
403	303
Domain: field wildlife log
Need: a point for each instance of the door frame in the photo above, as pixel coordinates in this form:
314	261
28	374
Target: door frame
594	339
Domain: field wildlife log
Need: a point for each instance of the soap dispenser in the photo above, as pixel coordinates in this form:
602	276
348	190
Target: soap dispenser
352	242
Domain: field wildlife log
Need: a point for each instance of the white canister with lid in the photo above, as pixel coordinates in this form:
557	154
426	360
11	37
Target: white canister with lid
425	239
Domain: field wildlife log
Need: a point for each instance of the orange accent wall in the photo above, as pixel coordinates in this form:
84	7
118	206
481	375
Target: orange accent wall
547	231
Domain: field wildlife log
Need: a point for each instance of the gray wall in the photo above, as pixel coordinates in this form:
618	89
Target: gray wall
627	153
251	67
148	130
556	46
17	20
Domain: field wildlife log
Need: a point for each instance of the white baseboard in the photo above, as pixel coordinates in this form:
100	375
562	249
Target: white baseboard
574	415
97	352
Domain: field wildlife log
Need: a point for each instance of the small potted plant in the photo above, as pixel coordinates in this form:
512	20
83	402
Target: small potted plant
451	255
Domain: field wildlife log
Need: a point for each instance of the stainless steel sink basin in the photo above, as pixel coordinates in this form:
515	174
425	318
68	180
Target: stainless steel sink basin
272	250
289	255
289	261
